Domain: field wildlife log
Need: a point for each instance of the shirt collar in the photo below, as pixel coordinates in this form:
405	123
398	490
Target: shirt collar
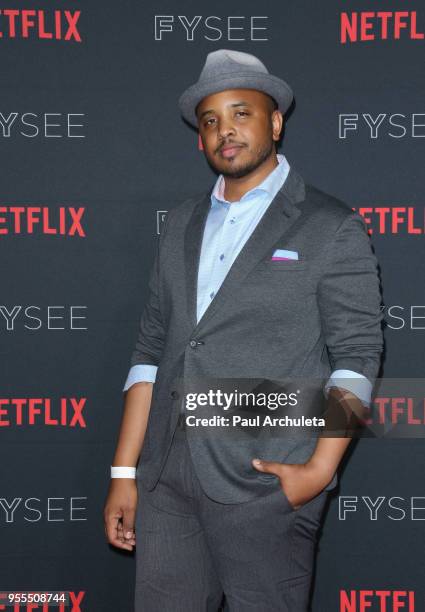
270	185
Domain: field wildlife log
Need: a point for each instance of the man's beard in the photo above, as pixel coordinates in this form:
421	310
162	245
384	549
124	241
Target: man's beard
249	166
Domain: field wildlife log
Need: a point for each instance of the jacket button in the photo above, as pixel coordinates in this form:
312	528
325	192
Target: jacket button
174	395
193	343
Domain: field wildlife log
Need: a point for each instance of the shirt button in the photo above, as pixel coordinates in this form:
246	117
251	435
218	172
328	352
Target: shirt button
222	256
212	294
232	220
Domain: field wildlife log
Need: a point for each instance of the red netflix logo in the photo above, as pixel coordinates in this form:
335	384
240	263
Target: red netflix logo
63	221
393	220
382	25
46	25
396	410
64	412
381	601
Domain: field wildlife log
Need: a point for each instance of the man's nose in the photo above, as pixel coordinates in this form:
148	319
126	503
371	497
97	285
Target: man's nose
225	128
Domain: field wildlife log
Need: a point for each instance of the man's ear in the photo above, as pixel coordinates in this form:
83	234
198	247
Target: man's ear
277	123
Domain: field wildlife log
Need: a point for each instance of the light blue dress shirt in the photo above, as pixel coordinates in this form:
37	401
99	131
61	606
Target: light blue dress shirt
228	227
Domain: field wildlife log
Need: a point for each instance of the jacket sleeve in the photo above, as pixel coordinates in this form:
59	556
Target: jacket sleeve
350	301
151	333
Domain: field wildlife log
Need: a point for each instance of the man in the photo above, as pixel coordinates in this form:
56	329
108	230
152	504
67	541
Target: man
262	277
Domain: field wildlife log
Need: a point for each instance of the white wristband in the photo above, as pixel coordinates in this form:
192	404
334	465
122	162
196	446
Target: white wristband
123	472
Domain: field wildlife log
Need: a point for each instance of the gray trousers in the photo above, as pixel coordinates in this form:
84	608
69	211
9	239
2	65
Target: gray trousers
192	550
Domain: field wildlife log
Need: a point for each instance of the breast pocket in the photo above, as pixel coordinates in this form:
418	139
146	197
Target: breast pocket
291	265
288	280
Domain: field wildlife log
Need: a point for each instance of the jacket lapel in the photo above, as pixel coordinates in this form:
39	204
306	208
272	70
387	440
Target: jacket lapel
276	221
192	252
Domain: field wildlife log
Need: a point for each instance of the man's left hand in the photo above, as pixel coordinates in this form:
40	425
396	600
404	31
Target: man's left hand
300	482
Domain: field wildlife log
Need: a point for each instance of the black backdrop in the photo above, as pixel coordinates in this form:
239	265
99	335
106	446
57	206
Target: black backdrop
90	131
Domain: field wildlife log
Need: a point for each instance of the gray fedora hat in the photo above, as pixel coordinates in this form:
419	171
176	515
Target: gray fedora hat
228	69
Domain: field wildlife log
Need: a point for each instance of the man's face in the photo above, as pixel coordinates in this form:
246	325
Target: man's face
238	130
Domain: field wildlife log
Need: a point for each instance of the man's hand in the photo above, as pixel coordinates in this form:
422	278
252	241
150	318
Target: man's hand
120	512
300	482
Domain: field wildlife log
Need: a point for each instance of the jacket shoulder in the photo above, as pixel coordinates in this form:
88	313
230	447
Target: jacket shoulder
331	210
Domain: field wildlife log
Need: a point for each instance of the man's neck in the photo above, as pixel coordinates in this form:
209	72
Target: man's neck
236	188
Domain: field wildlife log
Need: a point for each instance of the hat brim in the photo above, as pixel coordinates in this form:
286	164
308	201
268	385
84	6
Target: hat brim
267	83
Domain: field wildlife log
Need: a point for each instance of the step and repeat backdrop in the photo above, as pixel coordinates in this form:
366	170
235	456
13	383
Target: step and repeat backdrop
93	155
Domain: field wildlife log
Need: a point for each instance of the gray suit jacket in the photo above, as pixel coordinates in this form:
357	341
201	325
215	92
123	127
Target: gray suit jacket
303	319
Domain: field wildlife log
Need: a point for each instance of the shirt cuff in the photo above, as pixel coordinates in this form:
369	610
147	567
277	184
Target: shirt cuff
140	373
358	384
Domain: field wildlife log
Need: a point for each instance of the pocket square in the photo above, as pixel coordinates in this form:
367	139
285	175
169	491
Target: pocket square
283	254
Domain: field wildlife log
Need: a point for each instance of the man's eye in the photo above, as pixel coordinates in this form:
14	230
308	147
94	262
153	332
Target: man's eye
208	121
241	113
